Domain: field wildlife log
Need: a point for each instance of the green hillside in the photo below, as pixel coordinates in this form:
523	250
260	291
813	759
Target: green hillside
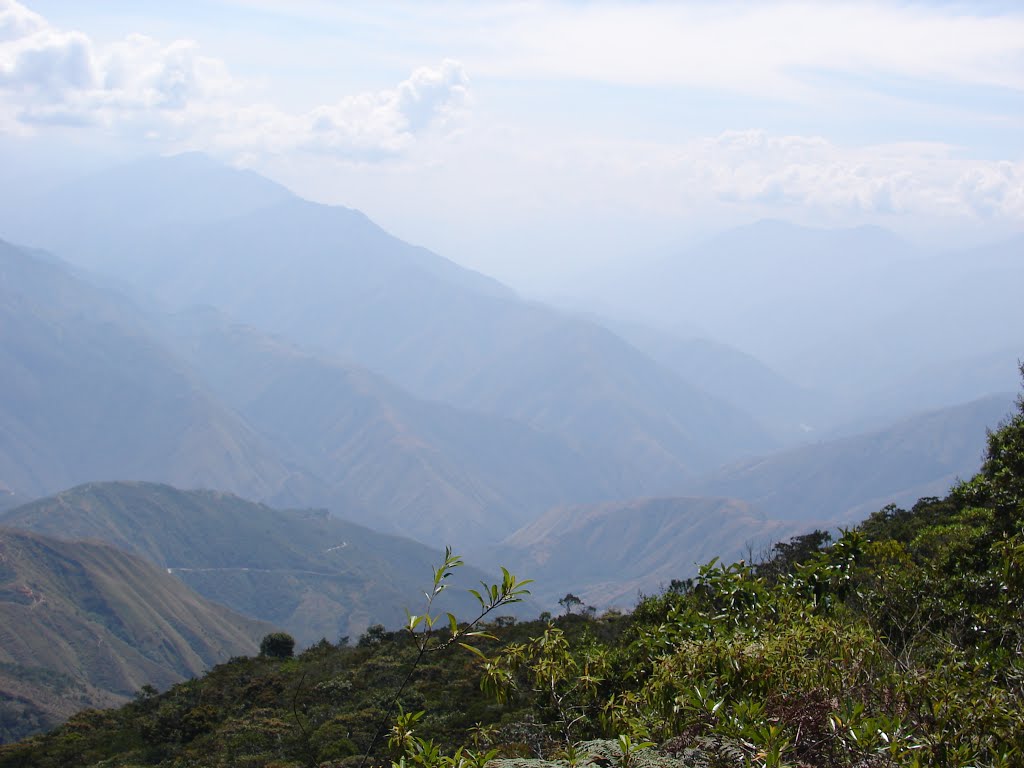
314	575
84	624
900	644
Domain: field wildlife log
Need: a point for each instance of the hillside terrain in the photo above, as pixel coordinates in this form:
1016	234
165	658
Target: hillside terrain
87	394
847	478
98	389
314	575
383	457
211	330
83	624
608	554
896	645
793	413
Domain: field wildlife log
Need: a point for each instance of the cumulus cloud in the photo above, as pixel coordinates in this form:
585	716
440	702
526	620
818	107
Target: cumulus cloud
174	93
754	167
754	173
388	120
17	21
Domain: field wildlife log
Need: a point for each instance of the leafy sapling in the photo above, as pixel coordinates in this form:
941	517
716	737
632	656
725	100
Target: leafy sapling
426	629
628	749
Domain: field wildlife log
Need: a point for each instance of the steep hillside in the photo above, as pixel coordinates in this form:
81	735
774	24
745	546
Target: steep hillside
314	575
792	412
96	388
84	624
332	279
9	499
385	458
87	394
607	554
846	478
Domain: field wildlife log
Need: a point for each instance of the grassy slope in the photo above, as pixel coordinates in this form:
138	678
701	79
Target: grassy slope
85	624
315	575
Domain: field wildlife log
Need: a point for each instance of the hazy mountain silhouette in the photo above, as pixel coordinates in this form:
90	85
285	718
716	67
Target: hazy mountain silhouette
98	389
105	218
845	479
609	553
87	394
331	279
385	458
844	311
792	412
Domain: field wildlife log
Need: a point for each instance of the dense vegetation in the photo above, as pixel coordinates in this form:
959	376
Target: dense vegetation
898	644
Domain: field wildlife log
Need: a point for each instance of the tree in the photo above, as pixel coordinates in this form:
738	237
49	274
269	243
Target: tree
569	602
277	645
1000	484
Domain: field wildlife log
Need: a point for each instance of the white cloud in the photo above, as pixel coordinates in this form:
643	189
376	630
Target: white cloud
388	121
748	174
812	174
17	21
173	93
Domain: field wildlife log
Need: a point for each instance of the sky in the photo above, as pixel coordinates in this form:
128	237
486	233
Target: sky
543	142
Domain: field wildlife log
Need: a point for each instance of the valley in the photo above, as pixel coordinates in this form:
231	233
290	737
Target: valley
292	421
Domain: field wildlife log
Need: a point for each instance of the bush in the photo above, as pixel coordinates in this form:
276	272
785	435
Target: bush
277	645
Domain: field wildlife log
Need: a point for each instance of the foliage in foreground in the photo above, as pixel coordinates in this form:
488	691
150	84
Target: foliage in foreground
900	644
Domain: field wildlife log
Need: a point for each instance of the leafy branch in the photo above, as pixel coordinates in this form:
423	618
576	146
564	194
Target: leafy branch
424	627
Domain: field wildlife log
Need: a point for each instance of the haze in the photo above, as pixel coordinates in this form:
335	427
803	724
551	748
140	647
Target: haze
550	145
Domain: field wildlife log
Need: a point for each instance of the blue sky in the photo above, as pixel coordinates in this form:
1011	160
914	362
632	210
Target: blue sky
541	140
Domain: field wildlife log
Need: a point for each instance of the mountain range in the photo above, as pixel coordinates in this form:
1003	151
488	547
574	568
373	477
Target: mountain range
848	313
329	278
194	326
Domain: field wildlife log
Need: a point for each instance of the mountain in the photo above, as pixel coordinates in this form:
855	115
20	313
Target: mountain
385	458
87	394
952	381
314	575
841	311
102	217
852	476
791	412
608	554
944	314
97	388
330	279
759	286
9	499
84	624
